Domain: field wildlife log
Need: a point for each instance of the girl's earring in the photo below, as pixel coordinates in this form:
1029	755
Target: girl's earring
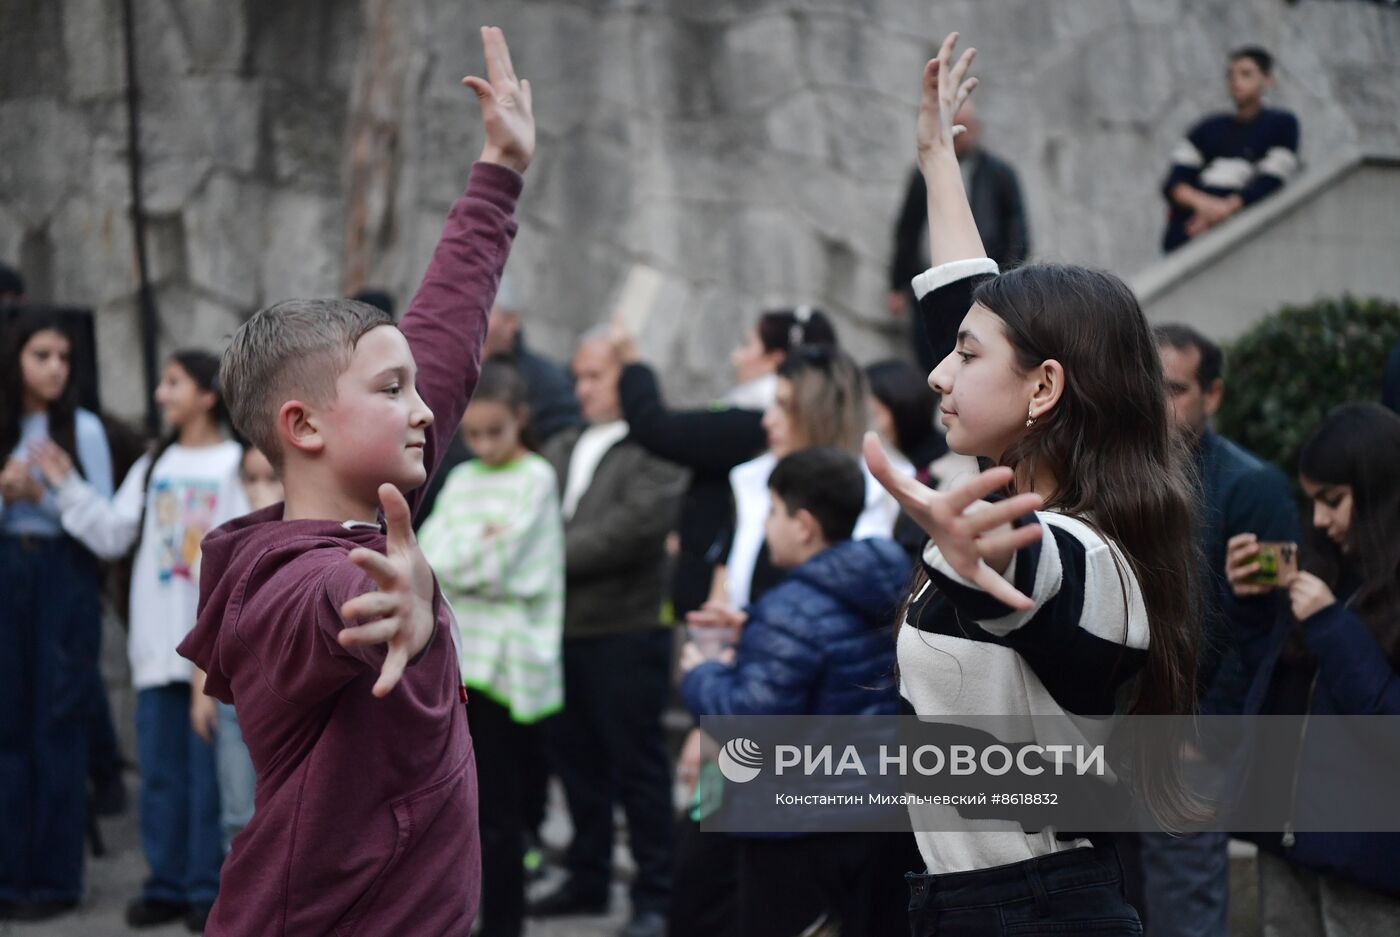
1030	418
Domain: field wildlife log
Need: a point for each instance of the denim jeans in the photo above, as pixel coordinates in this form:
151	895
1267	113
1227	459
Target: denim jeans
850	881
1078	891
50	631
1186	884
180	831
236	778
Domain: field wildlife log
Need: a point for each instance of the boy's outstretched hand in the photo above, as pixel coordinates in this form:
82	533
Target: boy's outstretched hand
400	614
975	538
506	106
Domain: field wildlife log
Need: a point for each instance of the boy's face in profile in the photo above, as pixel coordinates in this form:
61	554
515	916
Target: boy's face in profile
787	535
375	430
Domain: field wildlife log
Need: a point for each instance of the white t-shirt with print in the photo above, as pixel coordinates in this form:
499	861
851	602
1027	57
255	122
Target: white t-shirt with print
191	491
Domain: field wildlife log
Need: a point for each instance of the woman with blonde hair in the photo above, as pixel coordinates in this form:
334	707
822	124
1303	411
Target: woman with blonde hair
820	400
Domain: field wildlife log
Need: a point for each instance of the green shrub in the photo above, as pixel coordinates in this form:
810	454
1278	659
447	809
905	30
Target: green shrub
1285	373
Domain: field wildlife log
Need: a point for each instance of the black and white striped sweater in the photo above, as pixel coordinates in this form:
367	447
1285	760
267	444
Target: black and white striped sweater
964	653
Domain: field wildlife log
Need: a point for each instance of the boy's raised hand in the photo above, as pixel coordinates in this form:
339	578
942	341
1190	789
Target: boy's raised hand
506	106
946	86
974	537
400	614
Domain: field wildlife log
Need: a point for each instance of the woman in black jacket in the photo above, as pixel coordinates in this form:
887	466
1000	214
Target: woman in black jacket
709	442
713	440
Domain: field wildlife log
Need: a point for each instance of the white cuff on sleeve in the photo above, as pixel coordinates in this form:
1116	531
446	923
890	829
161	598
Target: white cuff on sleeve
934	277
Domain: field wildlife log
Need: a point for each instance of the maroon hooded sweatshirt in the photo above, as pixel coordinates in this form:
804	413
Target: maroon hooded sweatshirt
366	813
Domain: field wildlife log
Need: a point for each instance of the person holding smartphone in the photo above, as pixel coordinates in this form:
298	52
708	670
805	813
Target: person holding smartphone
1337	652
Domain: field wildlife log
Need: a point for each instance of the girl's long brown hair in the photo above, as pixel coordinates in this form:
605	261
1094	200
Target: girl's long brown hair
1119	466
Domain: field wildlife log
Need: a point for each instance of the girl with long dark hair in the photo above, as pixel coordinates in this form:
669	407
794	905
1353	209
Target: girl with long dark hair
1076	594
187	485
1336	654
50	626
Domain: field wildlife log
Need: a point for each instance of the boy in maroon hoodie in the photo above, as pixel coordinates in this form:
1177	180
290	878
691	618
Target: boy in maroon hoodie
330	636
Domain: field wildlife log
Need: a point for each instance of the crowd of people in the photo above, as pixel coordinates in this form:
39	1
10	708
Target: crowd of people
345	726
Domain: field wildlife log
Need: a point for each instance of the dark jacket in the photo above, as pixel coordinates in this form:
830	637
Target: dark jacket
615	544
1344	673
819	643
997	207
709	443
366	814
553	406
995	197
1240	493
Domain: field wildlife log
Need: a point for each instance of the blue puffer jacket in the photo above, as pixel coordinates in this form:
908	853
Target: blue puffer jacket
819	643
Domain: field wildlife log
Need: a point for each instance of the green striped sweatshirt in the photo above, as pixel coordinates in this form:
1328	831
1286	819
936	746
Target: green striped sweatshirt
496	541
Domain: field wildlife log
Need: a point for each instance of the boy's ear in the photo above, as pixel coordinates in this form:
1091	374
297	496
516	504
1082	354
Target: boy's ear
298	428
811	527
1049	387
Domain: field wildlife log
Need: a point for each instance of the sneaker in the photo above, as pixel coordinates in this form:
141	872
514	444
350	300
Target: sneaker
565	902
148	912
644	924
197	916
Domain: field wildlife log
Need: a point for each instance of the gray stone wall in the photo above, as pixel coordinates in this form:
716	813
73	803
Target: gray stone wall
753	151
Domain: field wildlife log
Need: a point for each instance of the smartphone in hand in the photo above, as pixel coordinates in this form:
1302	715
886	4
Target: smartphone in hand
1278	564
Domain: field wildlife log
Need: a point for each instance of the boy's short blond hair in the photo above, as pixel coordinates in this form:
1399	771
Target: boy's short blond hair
294	349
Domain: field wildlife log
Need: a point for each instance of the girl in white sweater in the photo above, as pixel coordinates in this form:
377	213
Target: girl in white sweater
1075	594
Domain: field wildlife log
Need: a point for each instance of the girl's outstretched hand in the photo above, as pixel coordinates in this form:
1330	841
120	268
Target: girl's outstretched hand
507	109
946	87
976	538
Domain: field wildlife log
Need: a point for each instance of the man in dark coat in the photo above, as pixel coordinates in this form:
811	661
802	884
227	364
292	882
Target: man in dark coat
619	504
995	195
552	404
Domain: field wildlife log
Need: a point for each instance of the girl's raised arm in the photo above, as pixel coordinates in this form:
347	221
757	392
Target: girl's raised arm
952	232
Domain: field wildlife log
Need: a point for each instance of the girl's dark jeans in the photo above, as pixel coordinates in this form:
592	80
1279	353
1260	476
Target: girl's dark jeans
1078	891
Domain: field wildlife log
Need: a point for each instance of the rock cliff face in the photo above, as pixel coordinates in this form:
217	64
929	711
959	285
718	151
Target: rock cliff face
753	151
